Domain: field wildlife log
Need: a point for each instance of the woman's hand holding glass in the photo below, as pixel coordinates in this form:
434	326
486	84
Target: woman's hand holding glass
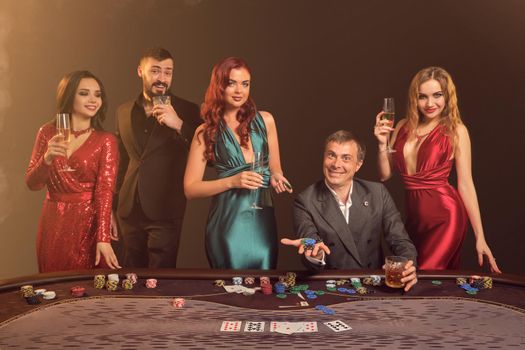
382	131
247	179
56	147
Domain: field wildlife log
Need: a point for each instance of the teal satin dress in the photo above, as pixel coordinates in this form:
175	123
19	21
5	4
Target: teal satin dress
237	236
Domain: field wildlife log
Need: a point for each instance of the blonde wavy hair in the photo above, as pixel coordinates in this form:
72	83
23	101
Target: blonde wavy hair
450	117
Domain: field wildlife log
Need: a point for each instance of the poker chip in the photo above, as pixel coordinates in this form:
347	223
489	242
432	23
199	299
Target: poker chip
32	300
350	291
113	277
99	281
376	280
178	303
472	292
127	284
437	282
354	280
342	289
290	279
279	288
487	282
40	291
311	296
461	280
27	291
264	280
237	281
281	295
49	295
319	292
341	282
249	280
132	277
266	288
368	281
151	283
308	243
112	285
325	309
219	283
362	290
331	289
77	291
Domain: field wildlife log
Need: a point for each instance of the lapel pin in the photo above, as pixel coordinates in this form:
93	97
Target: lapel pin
365	203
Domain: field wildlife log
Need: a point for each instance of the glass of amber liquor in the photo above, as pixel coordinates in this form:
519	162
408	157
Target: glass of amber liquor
394	266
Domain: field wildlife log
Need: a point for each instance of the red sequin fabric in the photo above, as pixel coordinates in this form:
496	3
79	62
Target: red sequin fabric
77	209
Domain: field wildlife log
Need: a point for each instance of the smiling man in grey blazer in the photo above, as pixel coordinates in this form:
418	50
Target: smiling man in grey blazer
348	216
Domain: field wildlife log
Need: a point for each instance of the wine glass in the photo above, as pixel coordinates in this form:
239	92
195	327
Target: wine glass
388	119
64	129
257	166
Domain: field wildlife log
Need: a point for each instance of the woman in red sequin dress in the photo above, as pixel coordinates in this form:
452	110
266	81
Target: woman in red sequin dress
75	225
428	142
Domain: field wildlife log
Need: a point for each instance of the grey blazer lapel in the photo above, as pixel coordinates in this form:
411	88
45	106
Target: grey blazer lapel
358	213
332	214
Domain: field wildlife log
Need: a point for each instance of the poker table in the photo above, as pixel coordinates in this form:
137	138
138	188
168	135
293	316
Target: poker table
433	315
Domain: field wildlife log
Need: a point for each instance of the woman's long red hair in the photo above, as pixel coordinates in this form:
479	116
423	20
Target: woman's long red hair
213	107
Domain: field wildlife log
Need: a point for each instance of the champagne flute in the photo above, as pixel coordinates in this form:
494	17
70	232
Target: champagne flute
388	119
257	166
64	129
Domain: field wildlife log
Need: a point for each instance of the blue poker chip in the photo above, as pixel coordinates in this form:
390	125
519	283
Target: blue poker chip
309	291
342	290
320	307
351	291
328	311
311	296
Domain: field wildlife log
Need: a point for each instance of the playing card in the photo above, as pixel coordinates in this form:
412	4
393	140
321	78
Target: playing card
254	326
231	326
307	327
337	326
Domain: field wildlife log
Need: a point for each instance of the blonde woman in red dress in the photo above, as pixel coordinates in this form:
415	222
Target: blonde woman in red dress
75	228
427	143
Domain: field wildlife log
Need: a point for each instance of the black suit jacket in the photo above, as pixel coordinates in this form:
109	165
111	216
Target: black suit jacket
154	173
358	244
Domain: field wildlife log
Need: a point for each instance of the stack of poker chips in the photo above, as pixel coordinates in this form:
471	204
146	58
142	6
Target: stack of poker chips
325	309
346	290
112	283
266	286
237	281
290	279
372	280
151	283
29	295
249	280
296	289
341	282
49	295
279	288
99	282
178	303
78	291
474	284
330	285
219	283
132	277
127	284
356	283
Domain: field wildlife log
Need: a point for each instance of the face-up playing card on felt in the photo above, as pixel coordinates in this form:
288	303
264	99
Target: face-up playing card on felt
307	327
337	326
254	326
231	326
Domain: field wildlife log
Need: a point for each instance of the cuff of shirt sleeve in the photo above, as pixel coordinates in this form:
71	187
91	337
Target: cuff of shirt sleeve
319	262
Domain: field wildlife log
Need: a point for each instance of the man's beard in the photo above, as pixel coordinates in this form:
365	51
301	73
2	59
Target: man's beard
149	90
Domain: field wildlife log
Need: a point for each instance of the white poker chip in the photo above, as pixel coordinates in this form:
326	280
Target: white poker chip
49	295
355	280
330	282
113	277
40	291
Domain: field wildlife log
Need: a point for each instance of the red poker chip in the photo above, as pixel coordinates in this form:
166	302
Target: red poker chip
78	291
